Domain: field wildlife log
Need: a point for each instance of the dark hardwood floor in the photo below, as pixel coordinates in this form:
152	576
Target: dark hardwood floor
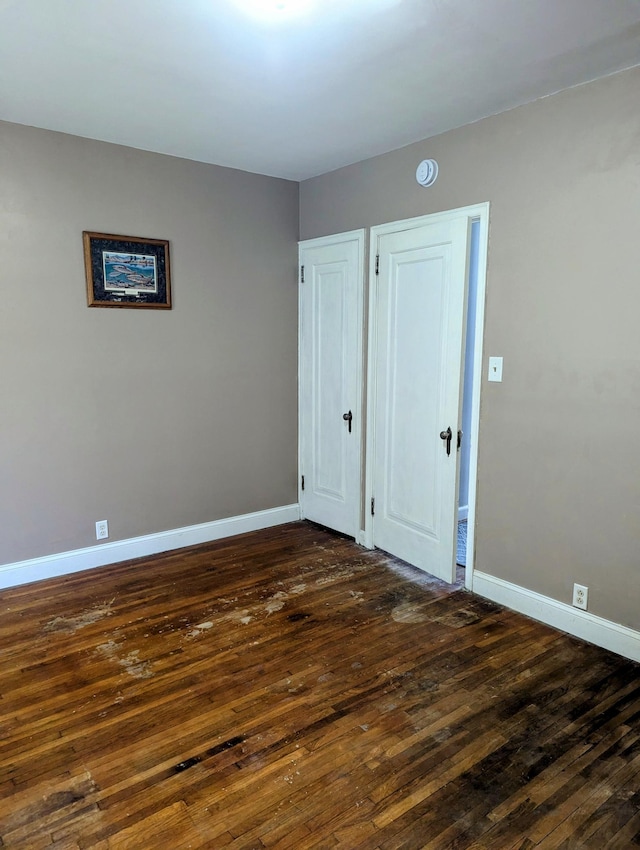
288	689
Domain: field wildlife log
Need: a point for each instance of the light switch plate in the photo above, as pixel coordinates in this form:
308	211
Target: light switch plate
495	368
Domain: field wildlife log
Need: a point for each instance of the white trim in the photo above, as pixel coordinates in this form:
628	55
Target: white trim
332	239
560	615
372	345
299	396
482	214
463	512
478	211
63	563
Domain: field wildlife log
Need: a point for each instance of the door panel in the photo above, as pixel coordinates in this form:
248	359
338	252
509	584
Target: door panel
330	380
329	286
419	316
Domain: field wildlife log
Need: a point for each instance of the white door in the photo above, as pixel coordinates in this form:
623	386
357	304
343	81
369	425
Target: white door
417	320
331	297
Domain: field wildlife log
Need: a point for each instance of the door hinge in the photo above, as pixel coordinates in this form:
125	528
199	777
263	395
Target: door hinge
302	482
377	263
301	274
373	506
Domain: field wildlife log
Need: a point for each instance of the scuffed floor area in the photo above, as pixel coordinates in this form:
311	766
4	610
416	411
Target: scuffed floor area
289	689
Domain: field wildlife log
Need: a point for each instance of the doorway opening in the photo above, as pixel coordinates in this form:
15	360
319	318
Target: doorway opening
467	398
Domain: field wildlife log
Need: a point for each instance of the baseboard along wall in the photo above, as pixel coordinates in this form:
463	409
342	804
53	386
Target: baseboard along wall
49	566
581	624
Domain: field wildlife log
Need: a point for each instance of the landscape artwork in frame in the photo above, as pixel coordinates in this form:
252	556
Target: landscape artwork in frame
126	271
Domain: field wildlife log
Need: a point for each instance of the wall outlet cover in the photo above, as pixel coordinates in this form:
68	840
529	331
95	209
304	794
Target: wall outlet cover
495	369
580	596
102	529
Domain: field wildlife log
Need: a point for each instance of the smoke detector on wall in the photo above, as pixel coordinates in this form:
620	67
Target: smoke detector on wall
427	172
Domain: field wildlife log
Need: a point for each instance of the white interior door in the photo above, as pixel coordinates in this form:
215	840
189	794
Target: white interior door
416	351
331	297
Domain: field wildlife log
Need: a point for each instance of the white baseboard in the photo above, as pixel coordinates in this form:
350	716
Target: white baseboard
49	566
463	512
580	624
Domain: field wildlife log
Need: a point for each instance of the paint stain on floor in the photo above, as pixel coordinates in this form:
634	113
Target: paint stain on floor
196	631
241	615
276	602
131	662
69	625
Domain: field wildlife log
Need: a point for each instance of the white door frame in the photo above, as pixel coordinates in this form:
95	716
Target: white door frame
479	212
360	237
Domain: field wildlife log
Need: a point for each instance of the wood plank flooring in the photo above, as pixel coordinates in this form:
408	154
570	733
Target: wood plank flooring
288	689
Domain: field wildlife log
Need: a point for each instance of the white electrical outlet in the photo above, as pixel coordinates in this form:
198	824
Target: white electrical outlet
580	596
102	529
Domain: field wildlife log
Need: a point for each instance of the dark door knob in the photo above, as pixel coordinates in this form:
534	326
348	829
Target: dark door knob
347	418
447	435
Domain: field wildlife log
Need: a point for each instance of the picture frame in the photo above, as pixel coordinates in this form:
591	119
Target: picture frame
127	271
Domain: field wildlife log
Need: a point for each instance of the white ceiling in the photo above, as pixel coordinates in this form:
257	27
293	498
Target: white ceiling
301	95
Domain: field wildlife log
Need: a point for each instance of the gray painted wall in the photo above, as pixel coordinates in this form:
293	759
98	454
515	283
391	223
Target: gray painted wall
150	419
559	463
155	420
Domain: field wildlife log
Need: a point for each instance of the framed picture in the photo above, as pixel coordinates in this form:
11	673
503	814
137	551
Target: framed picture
126	271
